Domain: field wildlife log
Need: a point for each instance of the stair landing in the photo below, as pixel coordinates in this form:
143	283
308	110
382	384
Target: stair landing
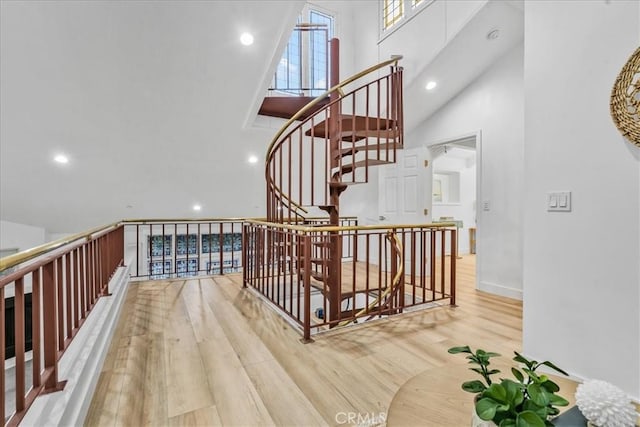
285	107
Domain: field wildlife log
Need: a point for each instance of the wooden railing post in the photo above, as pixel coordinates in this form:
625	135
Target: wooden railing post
2	352
452	278
50	324
18	313
36	307
245	255
307	287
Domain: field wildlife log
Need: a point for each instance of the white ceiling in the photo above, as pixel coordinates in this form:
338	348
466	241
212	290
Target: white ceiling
467	55
150	101
147	98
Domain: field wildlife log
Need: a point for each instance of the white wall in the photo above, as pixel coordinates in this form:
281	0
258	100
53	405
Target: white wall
20	236
581	277
464	208
422	37
493	104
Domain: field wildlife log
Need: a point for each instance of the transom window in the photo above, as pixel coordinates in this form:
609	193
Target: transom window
395	11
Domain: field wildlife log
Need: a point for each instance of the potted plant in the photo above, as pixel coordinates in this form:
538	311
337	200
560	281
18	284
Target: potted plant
529	400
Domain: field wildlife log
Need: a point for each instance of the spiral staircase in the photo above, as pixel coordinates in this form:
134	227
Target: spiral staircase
326	146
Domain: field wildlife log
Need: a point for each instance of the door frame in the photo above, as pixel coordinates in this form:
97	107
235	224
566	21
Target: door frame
479	201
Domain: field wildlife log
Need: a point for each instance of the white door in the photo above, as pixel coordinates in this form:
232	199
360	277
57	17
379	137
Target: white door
404	189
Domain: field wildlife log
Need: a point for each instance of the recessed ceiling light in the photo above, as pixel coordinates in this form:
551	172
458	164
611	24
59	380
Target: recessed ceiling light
246	39
253	159
197	207
493	34
431	85
61	158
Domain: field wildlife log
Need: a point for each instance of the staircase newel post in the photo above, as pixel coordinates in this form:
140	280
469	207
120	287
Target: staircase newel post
454	252
335	244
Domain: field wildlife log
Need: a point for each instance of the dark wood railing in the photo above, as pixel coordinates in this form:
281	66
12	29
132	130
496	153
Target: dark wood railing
176	248
303	160
283	262
288	265
66	279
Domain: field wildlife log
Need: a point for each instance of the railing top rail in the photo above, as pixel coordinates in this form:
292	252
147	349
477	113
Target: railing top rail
310	25
232	219
184	220
29	254
307	229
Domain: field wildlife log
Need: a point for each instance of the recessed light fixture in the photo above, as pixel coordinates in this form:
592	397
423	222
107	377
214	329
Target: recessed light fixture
493	34
246	39
197	207
431	85
61	158
253	159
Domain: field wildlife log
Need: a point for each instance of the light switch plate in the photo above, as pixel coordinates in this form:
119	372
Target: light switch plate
559	201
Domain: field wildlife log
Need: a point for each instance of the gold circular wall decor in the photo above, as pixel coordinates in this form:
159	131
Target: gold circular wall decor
625	99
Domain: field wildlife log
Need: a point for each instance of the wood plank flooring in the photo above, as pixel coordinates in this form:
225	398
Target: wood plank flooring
206	351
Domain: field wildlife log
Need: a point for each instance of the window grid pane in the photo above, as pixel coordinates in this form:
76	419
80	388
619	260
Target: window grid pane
318	52
392	12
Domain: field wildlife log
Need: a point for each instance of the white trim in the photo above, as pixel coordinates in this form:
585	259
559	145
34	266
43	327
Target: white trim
500	290
479	213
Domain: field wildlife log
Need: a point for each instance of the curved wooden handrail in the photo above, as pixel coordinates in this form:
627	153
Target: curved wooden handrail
272	146
332	228
29	254
395	283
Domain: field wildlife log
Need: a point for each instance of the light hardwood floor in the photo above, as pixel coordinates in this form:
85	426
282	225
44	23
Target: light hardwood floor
207	352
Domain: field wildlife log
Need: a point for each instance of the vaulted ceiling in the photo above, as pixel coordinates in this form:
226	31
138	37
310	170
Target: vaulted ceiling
147	99
153	102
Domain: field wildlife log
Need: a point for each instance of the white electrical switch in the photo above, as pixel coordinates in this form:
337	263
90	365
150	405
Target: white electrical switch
559	201
563	201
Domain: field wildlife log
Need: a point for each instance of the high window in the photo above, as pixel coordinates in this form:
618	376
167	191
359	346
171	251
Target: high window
396	11
304	66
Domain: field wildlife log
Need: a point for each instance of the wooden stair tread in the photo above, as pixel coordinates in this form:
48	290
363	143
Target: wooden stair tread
344	184
347	288
350	167
355	128
383	148
286	107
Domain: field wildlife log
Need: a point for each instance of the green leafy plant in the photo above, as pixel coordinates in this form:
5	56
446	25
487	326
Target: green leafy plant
528	401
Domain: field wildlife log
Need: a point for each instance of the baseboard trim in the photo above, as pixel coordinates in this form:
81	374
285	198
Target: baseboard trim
503	291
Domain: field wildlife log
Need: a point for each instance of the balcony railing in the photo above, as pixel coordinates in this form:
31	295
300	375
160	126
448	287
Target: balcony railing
166	249
289	265
65	280
385	271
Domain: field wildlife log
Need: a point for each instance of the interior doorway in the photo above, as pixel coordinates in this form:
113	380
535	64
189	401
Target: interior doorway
456	188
